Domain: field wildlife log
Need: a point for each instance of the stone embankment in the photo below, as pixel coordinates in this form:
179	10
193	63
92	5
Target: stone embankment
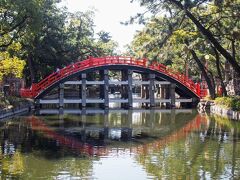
13	111
229	113
210	106
204	105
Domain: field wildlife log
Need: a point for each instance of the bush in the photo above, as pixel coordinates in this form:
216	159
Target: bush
11	101
229	102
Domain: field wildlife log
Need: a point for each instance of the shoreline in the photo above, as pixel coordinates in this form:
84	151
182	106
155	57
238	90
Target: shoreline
224	112
6	113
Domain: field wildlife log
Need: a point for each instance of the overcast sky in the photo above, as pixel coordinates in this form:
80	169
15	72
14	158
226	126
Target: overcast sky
108	16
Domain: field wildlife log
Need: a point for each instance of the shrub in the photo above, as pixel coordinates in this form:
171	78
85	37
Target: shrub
229	102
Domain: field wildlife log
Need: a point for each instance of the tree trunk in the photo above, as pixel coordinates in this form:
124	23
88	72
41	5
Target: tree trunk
233	49
219	72
31	68
212	79
209	36
202	69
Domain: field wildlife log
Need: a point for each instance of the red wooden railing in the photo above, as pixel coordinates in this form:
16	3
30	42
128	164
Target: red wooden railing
37	88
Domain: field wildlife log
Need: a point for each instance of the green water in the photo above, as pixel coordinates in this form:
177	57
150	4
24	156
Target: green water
148	144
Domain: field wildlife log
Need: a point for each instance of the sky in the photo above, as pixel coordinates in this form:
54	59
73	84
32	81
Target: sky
108	15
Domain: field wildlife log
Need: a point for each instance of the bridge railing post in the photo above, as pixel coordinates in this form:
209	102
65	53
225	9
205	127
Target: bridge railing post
198	89
144	62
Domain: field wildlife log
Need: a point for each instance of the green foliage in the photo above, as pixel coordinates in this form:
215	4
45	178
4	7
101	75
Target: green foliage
171	36
11	65
11	101
229	102
13	165
50	37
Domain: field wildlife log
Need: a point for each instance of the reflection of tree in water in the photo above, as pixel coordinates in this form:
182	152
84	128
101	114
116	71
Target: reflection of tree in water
11	165
194	157
38	166
159	138
27	154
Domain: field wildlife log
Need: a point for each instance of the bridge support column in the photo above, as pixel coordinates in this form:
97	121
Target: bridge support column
172	95
158	94
124	88
144	90
84	89
61	96
152	118
152	90
195	102
83	121
101	90
37	105
173	116
130	87
106	88
106	123
129	118
161	94
168	95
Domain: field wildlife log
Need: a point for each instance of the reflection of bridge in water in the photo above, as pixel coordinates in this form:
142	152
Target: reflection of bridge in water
92	82
81	144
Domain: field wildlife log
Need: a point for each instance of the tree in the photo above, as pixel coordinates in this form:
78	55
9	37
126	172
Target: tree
10	66
186	6
50	37
18	18
164	37
104	36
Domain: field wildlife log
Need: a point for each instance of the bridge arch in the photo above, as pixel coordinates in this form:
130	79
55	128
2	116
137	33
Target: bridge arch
157	74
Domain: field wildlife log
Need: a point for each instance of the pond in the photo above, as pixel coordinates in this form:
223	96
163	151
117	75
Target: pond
120	144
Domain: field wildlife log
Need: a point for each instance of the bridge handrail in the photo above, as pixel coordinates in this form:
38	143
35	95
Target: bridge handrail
91	62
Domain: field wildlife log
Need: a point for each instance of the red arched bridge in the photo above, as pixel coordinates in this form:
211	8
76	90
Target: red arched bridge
92	81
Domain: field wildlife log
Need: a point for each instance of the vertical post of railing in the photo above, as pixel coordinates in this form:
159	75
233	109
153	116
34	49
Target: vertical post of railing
33	89
90	61
144	62
84	89
130	91
198	89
